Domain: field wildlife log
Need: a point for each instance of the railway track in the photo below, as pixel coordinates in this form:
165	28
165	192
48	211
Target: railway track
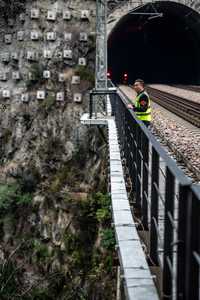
184	108
193	88
181	159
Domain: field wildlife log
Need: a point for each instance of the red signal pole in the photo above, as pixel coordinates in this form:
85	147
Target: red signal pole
109	75
125	78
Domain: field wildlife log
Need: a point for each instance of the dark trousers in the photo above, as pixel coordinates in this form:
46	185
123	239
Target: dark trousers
146	123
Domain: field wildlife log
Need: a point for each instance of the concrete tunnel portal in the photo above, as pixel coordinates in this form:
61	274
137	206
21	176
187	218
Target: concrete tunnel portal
157	49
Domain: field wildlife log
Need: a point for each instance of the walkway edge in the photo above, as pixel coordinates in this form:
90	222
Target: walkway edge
135	273
138	281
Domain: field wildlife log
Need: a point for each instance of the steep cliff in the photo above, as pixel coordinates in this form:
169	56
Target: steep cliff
55	237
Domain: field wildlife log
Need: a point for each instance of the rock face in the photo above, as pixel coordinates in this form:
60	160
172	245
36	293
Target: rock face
42	105
50	166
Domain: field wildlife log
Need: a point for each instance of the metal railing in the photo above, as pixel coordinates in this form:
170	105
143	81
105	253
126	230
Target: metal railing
98	100
166	203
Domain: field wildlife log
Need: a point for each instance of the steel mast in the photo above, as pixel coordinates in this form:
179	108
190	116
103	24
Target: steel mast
101	45
98	96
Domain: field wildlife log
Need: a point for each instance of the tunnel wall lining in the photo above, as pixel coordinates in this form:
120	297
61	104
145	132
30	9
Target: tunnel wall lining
179	23
123	10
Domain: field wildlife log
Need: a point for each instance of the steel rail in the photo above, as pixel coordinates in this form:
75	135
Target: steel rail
184	108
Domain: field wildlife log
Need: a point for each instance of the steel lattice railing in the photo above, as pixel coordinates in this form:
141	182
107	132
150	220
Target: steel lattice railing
166	203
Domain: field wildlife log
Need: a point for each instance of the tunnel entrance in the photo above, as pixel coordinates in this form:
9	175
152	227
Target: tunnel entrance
159	50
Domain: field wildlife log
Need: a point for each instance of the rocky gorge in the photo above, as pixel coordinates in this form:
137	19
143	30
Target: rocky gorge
56	241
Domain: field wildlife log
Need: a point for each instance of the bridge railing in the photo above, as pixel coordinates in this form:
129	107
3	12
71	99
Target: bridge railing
166	203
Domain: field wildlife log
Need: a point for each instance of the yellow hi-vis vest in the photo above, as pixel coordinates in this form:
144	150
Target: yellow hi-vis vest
146	115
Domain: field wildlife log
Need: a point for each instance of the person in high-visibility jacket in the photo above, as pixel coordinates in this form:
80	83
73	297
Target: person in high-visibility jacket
142	105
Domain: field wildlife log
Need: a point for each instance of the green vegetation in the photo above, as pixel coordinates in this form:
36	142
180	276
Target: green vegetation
36	71
48	103
59	179
70	241
12	285
41	250
80	261
11	196
85	74
29	179
7	133
9	280
107	236
108	239
103	213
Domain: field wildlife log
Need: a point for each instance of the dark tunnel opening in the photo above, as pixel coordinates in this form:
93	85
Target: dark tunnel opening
158	50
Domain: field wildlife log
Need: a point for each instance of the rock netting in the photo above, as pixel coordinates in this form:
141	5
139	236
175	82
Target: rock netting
48	36
46	70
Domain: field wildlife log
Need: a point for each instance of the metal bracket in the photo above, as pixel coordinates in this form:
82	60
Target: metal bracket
98	101
152	15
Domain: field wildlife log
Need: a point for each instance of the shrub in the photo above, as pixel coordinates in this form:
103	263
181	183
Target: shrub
71	242
41	250
29	179
85	74
103	214
9	280
108	239
7	194
6	135
12	196
48	103
37	72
